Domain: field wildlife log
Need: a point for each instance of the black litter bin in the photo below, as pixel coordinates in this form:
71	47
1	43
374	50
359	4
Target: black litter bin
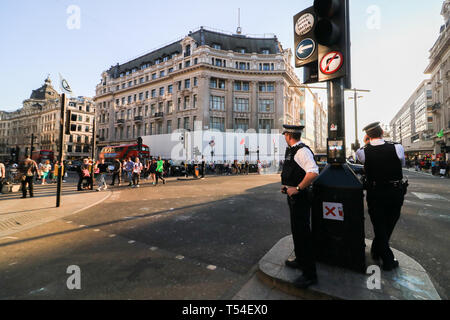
338	218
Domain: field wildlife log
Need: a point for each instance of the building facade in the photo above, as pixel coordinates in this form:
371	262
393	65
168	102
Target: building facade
439	69
39	118
412	126
224	81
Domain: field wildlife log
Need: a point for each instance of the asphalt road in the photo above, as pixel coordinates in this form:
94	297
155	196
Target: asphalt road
192	240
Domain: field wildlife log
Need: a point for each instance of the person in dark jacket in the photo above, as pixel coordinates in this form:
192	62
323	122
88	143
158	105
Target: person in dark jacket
117	172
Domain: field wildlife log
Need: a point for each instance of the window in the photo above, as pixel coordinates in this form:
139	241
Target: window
152	110
146	94
217	124
123	100
265	124
141	96
187	52
186	123
169	126
195	101
165	59
187	64
154	93
186	102
162	74
179	123
195	61
217	103
242	65
170	89
169	107
265	51
135	98
179	104
266	87
241	50
241	105
130	83
241	124
146	111
195	82
160	107
128	114
170	70
157	61
187	83
217	83
129	99
141	80
241	86
217	46
153	76
266	105
179	85
161	91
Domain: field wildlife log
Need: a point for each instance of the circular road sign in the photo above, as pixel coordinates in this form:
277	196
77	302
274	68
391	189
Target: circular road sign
331	62
304	24
305	49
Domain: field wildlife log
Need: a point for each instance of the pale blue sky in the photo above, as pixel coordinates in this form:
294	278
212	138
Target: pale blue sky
36	41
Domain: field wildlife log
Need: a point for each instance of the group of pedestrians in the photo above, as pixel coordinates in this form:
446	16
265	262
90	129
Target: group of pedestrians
435	166
130	170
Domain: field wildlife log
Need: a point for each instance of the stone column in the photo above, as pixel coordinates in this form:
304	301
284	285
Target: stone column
203	100
254	105
279	104
229	104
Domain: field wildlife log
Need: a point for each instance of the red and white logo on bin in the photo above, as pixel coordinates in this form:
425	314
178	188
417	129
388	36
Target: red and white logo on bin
333	211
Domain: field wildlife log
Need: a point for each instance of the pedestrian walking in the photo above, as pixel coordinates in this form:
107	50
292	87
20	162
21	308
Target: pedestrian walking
2	176
129	171
383	162
84	175
159	171
117	172
102	170
45	169
27	169
299	171
259	167
137	169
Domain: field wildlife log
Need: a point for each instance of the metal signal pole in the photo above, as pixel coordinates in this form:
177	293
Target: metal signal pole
61	149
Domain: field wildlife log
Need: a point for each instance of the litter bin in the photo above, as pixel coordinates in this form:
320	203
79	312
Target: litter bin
196	172
338	218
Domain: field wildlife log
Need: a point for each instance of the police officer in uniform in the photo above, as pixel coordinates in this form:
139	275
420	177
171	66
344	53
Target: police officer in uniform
299	171
383	162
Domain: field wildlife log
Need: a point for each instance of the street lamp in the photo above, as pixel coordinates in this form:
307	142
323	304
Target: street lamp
356	146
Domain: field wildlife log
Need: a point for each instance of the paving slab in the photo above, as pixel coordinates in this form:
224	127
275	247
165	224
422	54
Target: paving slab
409	282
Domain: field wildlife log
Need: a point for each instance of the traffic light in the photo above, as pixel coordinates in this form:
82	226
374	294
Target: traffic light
332	32
247	152
322	41
139	142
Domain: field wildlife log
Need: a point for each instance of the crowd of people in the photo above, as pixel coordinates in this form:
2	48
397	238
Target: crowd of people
130	170
435	166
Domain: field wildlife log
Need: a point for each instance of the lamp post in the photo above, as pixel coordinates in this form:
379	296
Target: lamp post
355	98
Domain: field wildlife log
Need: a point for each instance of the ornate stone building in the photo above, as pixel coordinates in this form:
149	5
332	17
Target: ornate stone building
225	81
439	69
39	117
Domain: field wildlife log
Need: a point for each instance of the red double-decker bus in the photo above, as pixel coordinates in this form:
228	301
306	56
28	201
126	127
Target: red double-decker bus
43	155
122	152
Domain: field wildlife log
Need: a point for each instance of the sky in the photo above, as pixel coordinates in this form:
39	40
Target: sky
390	42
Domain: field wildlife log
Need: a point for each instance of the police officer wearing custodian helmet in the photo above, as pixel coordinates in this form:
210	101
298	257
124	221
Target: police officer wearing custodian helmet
383	162
299	171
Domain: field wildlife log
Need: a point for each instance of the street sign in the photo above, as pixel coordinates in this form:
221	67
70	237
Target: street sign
305	49
304	39
333	211
331	62
304	24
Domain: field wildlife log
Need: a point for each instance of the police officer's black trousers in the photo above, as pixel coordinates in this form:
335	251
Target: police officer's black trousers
385	204
300	210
